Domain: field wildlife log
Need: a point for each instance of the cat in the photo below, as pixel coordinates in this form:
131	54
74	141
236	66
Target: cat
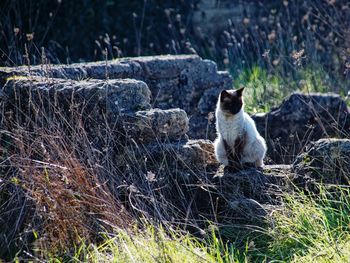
238	142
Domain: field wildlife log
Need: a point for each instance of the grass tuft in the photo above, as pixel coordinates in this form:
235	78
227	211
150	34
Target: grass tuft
312	227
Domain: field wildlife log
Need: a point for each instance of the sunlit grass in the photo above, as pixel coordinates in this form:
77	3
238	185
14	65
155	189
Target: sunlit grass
265	90
307	229
262	91
316	228
154	244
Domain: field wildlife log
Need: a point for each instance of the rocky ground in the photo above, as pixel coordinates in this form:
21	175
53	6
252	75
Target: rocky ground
153	116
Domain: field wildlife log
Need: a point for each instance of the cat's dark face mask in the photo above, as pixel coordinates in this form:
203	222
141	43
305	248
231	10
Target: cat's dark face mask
231	102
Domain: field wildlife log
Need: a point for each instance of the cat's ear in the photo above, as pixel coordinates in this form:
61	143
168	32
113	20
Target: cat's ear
224	94
240	92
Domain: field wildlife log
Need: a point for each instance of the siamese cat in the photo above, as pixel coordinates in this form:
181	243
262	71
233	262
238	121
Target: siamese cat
238	142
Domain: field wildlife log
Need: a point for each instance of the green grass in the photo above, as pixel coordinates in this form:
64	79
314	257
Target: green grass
265	90
307	229
154	245
316	228
262	91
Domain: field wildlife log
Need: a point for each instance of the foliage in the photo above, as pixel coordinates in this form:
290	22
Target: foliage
313	227
266	90
154	244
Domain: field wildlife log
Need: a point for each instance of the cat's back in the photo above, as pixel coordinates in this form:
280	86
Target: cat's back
253	136
250	125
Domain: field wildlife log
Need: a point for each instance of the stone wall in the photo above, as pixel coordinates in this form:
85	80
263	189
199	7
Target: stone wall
133	86
175	81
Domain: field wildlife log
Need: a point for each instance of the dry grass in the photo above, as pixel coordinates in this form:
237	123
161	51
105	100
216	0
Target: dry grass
71	196
68	178
72	205
62	189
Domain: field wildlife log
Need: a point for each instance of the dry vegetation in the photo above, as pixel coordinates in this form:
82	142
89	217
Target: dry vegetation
63	195
65	187
57	197
66	196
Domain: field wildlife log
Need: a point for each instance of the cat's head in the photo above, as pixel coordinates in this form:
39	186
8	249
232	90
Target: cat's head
231	101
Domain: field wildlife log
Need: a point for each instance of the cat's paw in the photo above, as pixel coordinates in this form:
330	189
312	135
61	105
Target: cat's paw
259	163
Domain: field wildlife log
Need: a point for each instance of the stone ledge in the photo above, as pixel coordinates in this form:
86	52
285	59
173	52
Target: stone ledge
156	123
111	97
326	161
176	81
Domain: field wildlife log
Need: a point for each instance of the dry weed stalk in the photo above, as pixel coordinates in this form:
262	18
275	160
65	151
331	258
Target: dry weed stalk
72	204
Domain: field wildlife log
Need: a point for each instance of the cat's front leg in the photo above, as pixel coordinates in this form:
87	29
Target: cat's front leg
220	151
259	163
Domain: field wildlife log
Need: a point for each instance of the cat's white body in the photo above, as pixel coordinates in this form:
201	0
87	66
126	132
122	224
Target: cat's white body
229	128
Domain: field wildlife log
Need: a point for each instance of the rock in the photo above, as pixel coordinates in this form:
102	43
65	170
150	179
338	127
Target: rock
186	177
178	159
157	123
112	69
197	183
197	153
179	81
144	153
76	72
263	185
90	98
175	81
208	101
102	110
119	102
302	118
326	160
184	156
242	197
165	67
193	84
202	126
